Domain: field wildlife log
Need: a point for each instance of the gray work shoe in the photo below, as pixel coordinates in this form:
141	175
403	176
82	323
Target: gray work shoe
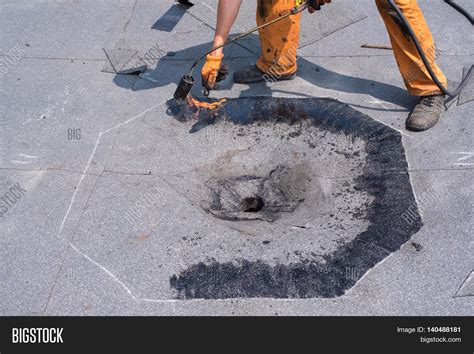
426	113
251	74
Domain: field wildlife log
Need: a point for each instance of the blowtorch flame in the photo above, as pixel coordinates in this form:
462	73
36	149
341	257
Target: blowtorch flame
206	105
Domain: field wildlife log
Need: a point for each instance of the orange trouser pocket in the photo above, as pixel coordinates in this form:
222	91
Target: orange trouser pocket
279	41
416	77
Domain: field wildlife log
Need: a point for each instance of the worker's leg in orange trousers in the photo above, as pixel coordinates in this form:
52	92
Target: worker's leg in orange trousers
279	41
416	77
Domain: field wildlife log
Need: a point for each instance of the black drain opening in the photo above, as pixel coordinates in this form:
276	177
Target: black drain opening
252	204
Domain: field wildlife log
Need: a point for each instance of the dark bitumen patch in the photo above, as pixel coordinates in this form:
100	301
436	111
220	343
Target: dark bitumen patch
385	178
417	246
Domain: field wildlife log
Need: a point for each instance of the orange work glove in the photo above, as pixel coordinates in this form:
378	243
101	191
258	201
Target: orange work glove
212	72
315	5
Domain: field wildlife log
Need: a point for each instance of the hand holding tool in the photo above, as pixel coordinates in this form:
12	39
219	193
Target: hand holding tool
315	5
213	71
187	81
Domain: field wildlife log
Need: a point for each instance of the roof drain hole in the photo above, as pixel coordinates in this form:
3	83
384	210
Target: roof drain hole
252	204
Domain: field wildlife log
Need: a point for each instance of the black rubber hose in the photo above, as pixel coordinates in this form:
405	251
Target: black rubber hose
461	10
425	60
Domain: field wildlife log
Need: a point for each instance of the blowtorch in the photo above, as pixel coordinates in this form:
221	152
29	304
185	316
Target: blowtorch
187	81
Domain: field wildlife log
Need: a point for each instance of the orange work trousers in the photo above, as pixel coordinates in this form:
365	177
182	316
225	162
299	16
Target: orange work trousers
279	43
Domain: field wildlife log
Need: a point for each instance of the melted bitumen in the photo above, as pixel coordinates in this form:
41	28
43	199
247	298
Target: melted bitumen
265	197
385	178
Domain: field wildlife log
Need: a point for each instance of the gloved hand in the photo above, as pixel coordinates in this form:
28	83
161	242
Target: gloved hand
315	5
212	71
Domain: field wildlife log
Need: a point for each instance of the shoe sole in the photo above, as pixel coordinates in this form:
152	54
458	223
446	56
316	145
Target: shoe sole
415	128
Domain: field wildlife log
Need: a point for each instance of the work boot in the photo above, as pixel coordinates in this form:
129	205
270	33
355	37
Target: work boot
251	74
426	113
